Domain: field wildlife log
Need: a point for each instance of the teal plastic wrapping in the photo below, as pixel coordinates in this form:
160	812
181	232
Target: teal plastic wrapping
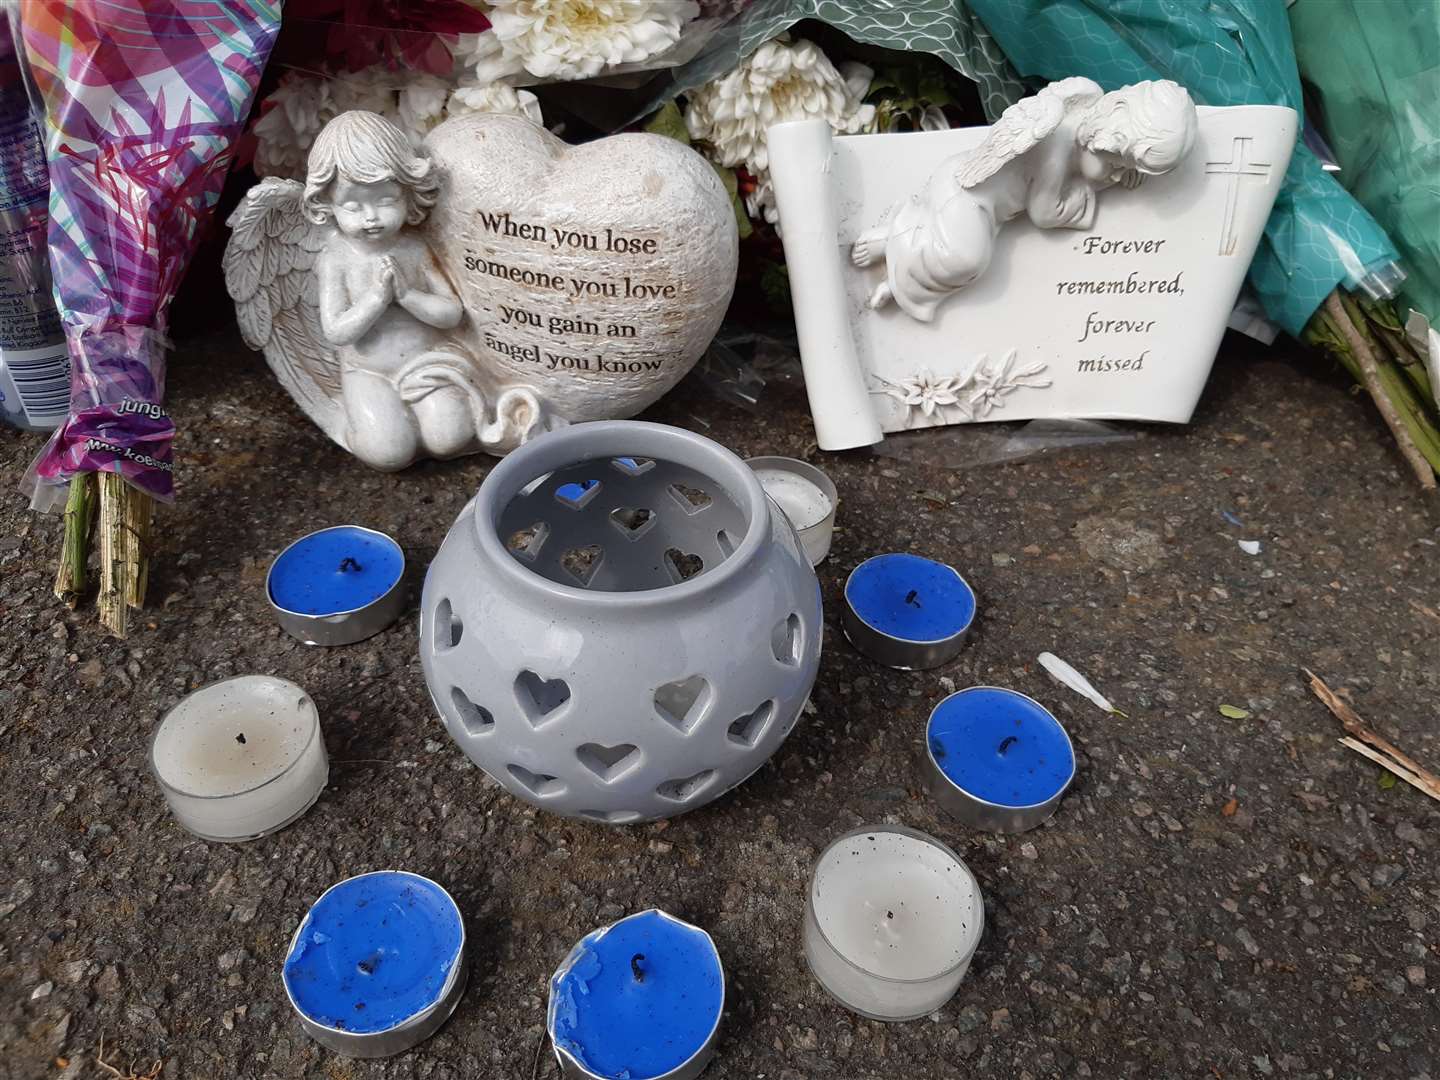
1376	69
1225	52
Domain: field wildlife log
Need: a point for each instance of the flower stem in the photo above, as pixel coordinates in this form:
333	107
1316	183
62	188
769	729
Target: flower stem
126	516
79	520
1386	337
1369	372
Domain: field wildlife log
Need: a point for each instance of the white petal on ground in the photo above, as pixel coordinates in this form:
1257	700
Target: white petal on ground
1062	672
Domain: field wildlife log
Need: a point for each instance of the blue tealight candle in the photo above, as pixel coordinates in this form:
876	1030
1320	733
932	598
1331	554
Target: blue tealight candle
339	585
907	611
378	964
640	1000
997	759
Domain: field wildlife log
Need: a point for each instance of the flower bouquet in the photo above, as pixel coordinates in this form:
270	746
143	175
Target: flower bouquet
140	110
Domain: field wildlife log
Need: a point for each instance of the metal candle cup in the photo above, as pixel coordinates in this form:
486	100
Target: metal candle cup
996	759
241	758
806	496
892	920
351	956
338	586
906	611
642	998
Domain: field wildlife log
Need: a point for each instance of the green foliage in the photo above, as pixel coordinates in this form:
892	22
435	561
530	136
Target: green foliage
742	219
909	83
775	284
670	122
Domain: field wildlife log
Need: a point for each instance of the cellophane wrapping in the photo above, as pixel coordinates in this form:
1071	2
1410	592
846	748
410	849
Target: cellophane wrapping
142	105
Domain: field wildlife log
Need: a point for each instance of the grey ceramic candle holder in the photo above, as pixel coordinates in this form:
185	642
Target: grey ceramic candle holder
620	626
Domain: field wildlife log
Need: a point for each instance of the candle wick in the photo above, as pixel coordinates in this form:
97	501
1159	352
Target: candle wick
635	968
910	598
240	738
1005	742
348	563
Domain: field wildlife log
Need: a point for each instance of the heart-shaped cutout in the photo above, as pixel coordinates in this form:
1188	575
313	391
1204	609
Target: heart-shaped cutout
609	763
576	494
685	788
448	626
746	731
538	784
581	563
594	274
633	521
540	698
526	543
633	466
785	640
690	499
682	564
474	719
684	702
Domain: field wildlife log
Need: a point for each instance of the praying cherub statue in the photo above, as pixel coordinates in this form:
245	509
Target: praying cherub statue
1046	158
340	288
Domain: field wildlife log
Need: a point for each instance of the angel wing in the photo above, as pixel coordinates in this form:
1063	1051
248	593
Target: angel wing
1022	126
269	268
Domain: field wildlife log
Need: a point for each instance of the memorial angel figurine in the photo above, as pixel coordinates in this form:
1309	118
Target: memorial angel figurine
1047	158
355	315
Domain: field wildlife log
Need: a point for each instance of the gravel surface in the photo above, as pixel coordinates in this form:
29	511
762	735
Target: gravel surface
1215	898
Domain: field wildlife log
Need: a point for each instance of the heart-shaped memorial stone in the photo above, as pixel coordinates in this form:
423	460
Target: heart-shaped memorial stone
595	274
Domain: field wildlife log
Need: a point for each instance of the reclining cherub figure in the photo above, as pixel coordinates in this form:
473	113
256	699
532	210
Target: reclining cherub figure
1046	158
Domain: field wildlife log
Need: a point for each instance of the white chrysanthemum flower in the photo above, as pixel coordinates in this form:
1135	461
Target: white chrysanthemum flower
372	89
302	105
422	105
760	203
480	57
572	39
496	98
780	81
297	111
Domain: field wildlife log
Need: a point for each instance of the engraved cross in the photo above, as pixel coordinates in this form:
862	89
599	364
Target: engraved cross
1235	168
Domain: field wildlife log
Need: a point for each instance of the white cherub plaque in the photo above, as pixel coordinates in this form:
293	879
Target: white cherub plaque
1079	258
487	287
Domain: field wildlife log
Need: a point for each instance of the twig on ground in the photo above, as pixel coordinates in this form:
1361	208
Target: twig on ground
1389	765
131	1074
539	1052
1373	746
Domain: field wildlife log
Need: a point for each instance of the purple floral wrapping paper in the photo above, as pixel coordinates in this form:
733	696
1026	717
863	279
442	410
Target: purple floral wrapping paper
143	100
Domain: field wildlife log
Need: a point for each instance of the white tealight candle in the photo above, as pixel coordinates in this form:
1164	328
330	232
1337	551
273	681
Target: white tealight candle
241	758
806	496
891	921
